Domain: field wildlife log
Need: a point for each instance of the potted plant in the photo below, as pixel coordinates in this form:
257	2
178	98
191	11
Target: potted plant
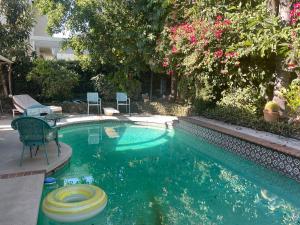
271	111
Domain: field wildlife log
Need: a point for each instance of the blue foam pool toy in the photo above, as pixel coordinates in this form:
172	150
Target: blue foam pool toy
49	180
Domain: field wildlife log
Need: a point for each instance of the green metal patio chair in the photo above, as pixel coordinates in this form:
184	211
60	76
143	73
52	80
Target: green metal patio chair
35	132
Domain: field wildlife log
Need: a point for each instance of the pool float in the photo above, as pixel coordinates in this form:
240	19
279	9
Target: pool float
49	180
74	203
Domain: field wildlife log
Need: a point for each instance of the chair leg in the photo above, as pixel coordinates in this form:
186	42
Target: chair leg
46	154
30	148
88	110
37	149
58	147
22	155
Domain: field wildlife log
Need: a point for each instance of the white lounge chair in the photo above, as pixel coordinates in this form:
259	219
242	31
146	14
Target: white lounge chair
122	99
26	104
93	100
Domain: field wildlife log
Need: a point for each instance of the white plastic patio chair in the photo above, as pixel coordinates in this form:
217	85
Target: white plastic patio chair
93	100
122	99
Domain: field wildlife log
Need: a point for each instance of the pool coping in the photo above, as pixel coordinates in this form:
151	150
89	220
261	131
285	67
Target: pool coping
48	169
295	152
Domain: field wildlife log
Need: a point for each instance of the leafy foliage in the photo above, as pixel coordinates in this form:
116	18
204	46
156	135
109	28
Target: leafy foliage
55	80
242	117
109	85
248	99
121	33
16	21
292	96
15	27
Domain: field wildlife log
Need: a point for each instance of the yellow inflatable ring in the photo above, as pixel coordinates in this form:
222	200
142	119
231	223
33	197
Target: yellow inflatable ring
74	203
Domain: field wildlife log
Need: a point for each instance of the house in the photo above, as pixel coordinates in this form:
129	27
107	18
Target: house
46	46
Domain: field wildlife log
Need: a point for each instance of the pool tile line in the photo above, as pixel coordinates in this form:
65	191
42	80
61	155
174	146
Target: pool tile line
274	159
259	141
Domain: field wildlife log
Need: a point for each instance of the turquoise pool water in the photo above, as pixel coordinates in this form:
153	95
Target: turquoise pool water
158	176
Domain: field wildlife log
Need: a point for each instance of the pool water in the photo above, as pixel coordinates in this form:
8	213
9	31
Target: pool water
155	175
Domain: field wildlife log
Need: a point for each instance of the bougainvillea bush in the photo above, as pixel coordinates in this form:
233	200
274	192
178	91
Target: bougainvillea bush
227	47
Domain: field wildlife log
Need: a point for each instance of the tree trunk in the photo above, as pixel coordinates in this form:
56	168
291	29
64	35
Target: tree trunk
151	86
10	79
284	10
173	87
273	6
282	80
3	81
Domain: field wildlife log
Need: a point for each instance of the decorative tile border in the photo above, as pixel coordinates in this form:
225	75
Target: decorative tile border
284	163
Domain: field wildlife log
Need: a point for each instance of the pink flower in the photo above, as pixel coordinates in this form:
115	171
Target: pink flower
165	62
188	28
219	17
174	30
174	49
231	54
292	66
218	34
296	5
227	22
218	54
295	13
193	39
170	72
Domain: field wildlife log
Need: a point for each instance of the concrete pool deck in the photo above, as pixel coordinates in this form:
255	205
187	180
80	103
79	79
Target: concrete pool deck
20	199
24	185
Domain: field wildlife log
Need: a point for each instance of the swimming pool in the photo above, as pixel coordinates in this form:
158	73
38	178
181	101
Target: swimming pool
155	175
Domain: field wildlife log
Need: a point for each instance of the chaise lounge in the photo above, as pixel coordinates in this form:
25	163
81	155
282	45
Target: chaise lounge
24	103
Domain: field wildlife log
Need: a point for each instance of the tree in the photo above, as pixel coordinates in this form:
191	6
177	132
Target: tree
16	21
120	33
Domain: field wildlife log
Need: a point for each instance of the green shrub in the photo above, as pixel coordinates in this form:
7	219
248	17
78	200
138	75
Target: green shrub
201	105
247	99
55	80
206	94
109	84
242	117
292	97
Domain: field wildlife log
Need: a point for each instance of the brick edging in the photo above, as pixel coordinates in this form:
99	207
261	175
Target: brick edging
22	174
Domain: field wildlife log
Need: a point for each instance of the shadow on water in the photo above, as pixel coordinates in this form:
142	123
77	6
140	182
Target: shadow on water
157	212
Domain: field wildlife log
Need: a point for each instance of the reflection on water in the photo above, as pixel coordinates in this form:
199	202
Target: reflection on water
94	135
157	176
